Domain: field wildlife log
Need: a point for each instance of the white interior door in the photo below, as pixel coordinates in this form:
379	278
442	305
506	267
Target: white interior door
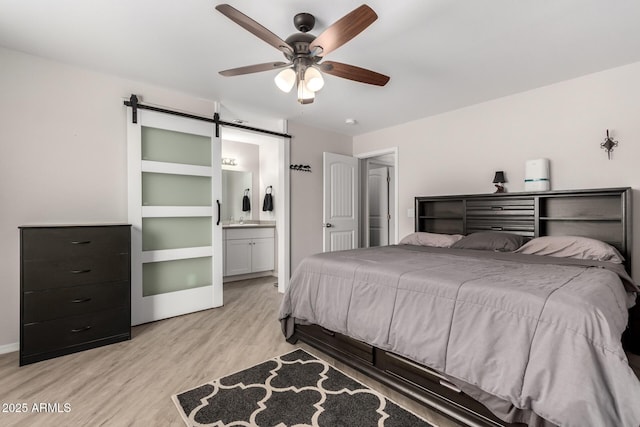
340	206
378	206
174	166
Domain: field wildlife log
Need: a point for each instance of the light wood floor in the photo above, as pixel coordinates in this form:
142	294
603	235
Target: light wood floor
131	383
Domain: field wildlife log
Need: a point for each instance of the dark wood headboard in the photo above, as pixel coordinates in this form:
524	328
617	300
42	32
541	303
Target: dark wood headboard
603	214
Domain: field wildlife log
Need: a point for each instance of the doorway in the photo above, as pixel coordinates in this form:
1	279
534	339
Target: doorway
360	202
378	201
261	160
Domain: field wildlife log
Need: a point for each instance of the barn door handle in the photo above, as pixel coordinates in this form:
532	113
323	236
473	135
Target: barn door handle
218	202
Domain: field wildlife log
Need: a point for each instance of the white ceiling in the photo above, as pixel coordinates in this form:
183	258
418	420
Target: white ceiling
440	54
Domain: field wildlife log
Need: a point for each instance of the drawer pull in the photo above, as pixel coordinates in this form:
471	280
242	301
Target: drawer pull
80	271
493	227
328	332
496	208
80	242
450	386
85	328
80	300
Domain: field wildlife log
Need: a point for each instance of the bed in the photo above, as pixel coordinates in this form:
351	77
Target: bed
489	329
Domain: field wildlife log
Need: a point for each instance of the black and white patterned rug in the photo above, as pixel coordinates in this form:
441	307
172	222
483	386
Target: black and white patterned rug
295	389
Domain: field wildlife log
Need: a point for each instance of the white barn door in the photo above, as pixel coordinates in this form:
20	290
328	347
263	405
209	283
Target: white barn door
340	207
174	167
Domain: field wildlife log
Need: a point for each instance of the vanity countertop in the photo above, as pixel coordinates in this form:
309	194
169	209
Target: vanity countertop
248	225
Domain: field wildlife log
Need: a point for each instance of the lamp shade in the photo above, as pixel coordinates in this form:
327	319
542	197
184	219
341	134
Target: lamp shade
313	79
499	178
286	79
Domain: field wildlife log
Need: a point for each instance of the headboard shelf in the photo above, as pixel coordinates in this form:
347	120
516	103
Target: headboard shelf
577	218
601	213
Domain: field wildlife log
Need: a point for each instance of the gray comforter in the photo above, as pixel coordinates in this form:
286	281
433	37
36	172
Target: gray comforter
527	335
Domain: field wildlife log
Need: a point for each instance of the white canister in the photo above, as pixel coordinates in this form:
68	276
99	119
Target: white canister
536	175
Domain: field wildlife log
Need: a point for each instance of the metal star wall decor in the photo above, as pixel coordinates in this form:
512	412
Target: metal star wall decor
609	144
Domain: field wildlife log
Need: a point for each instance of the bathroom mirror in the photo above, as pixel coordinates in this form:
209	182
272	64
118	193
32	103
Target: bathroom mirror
234	184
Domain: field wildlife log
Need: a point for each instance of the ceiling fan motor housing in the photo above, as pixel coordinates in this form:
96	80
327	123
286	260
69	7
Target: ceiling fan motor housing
300	43
304	22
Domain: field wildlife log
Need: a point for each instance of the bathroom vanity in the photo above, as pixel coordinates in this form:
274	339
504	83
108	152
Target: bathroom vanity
248	248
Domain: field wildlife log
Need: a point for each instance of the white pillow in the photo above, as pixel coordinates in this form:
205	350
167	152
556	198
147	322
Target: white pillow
572	247
431	239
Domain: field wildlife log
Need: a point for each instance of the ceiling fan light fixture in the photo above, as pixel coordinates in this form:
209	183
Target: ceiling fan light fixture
305	96
313	79
286	79
304	51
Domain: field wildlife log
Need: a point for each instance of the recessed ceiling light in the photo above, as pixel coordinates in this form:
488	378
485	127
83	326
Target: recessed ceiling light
351	121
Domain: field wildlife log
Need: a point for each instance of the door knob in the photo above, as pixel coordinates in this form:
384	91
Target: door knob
327	225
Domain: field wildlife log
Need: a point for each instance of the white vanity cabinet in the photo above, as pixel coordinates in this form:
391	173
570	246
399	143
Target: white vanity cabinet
248	250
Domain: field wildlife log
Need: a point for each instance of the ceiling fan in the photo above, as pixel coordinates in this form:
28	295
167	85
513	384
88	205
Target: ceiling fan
304	51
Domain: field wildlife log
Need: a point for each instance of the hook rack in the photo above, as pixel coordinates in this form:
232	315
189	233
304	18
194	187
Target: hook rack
302	168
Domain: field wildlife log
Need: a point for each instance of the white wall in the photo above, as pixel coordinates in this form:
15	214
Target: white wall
458	152
307	146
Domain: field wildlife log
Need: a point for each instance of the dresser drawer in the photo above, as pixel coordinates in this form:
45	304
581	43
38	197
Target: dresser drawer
498	207
338	341
58	273
71	331
63	302
431	381
525	227
65	242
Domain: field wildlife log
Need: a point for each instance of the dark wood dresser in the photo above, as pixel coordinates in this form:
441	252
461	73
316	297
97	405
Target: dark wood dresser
74	289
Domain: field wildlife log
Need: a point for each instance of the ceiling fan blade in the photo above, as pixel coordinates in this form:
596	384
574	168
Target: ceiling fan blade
354	73
254	28
267	66
343	30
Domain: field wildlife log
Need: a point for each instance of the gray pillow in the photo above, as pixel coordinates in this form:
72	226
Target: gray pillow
490	241
431	239
572	247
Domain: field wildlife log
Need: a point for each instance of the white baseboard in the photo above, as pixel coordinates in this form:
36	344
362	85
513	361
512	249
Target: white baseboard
9	348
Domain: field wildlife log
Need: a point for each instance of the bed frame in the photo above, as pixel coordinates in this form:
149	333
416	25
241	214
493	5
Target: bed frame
603	214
